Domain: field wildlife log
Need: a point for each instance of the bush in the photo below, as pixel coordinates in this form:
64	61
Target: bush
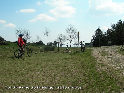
49	48
40	43
2	41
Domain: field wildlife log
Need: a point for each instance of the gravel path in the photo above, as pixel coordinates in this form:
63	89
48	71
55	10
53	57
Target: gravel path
111	57
111	61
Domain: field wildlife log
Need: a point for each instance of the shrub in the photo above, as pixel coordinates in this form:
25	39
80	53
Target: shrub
49	48
2	41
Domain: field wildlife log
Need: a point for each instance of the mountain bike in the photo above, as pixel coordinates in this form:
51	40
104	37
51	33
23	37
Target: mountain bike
19	52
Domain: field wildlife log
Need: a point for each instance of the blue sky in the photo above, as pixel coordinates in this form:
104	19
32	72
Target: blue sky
56	15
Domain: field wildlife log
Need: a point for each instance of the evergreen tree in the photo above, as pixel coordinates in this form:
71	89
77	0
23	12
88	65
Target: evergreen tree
97	38
113	36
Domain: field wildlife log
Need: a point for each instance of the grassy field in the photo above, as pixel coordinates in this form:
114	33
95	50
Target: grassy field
73	72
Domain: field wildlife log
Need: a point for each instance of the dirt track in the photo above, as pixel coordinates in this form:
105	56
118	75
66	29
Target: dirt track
110	60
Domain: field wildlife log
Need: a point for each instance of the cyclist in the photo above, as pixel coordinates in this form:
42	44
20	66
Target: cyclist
82	46
67	49
21	43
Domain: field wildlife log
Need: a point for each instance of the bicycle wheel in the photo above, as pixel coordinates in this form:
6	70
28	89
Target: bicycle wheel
83	49
17	53
29	52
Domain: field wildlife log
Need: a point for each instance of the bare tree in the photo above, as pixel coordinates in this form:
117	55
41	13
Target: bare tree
61	39
19	31
25	32
46	33
72	34
27	35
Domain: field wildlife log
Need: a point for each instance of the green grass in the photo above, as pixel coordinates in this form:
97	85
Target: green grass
53	69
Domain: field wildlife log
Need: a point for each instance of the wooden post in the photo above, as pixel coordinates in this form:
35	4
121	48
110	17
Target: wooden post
58	46
78	39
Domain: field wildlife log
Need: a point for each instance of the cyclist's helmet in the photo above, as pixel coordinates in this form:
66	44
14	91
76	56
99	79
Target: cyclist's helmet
20	35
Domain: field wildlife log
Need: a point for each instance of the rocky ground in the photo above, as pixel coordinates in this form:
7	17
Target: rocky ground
110	60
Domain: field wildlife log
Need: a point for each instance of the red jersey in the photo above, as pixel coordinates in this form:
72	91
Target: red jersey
20	41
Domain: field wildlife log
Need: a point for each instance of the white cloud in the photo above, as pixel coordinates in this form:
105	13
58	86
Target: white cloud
108	7
57	2
27	10
2	21
39	3
61	8
43	17
11	25
66	11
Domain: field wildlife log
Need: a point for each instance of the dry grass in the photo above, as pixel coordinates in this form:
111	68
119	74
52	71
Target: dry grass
54	69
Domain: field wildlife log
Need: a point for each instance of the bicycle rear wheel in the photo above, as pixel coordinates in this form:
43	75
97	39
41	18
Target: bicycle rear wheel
29	52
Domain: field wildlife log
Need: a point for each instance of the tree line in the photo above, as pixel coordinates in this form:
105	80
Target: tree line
70	36
113	36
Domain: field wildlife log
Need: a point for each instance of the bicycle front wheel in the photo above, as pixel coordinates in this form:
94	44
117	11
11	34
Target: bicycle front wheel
17	53
29	52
